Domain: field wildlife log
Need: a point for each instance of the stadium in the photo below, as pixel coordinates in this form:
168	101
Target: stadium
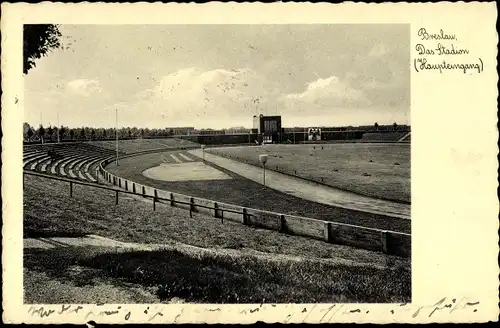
343	187
212	164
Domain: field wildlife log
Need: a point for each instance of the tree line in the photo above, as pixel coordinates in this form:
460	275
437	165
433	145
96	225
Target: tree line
64	133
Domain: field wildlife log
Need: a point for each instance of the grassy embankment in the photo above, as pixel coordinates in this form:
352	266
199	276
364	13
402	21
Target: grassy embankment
138	145
293	269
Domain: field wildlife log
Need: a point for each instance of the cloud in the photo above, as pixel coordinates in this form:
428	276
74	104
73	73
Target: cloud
84	87
328	92
378	50
194	93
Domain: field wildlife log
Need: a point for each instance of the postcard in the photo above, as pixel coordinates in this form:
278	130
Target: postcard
245	162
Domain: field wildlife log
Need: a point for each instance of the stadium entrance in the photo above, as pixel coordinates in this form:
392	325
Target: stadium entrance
268	128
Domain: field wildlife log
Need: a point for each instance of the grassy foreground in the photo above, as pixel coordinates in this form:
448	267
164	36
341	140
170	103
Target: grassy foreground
375	170
247	264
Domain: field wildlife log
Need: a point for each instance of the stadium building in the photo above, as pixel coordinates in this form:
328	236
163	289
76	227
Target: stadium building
267	128
180	130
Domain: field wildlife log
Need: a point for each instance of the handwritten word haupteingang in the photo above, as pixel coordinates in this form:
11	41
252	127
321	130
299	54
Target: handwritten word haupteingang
421	64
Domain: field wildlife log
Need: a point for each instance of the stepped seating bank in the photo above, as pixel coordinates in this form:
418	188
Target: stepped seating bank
70	160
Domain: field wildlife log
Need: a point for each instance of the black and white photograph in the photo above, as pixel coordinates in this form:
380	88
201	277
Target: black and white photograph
217	163
246	163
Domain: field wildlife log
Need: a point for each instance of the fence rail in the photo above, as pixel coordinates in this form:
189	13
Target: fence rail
388	242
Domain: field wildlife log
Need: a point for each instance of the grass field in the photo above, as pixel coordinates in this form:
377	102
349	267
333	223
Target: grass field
300	270
243	192
376	170
137	145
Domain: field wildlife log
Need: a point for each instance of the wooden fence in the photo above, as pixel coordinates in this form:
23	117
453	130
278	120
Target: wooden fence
388	242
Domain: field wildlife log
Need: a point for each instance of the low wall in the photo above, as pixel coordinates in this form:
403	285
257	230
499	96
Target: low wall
388	242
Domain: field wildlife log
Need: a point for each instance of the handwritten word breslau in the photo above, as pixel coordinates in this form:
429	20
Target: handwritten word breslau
424	35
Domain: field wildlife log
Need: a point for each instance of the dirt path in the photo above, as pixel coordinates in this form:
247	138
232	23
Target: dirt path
309	190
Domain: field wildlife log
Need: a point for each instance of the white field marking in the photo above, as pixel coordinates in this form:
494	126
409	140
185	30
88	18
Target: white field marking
53	169
185	157
44	168
71	173
165	160
191	171
81	176
161	143
176	159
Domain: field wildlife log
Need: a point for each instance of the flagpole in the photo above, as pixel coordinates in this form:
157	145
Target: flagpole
116	133
41	124
58	128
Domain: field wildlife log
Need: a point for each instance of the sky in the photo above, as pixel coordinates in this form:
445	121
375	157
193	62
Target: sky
219	76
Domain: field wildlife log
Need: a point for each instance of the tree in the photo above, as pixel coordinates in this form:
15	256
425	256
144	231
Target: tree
38	40
376	125
41	132
29	134
50	132
395	126
62	132
26	129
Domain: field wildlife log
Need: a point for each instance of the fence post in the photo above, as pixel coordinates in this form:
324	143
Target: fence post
143	191
133	187
70	189
154	199
191	204
216	214
383	241
126	185
281	223
116	197
326	231
171	199
244	211
119	182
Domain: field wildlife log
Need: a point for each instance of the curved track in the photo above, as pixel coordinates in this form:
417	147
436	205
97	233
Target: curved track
310	190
